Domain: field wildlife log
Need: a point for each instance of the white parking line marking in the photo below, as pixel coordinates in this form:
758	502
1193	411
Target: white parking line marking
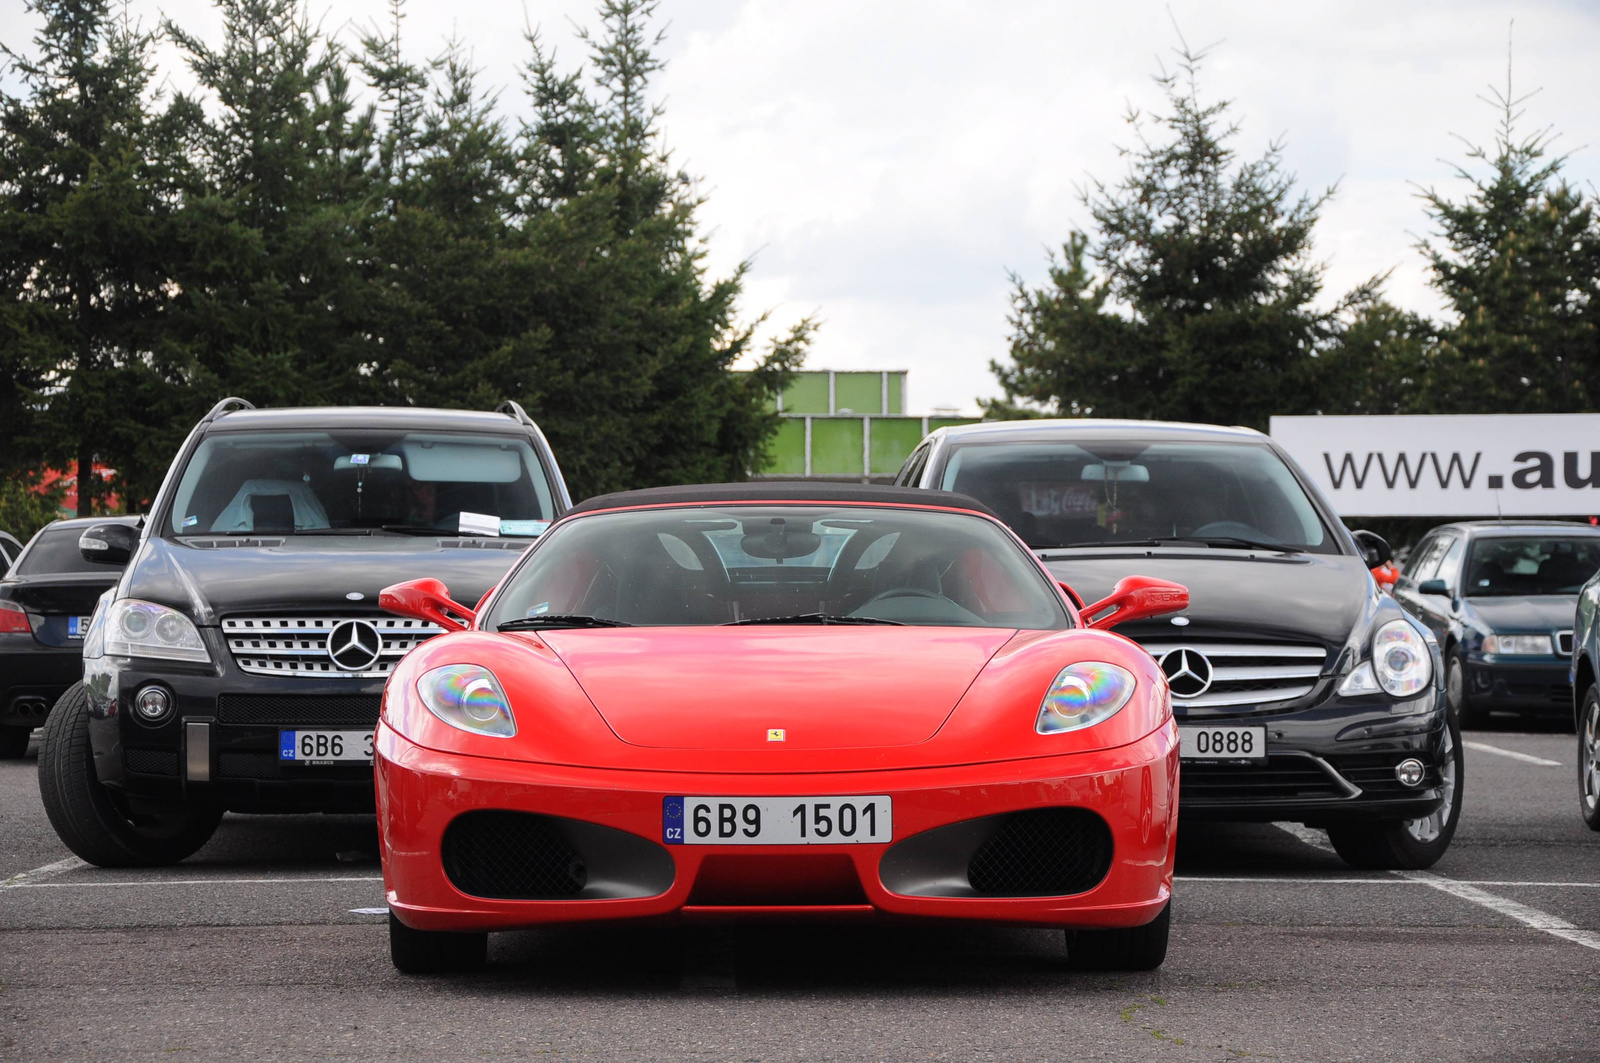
1530	917
369	911
164	882
26	878
1527	758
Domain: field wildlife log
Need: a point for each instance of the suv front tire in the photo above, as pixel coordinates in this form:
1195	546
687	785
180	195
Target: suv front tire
96	823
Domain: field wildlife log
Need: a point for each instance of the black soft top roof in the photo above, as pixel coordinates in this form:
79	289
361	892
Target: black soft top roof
781	491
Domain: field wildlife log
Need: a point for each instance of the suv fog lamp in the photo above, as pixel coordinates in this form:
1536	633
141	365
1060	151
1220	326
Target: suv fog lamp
1409	772
152	704
1534	645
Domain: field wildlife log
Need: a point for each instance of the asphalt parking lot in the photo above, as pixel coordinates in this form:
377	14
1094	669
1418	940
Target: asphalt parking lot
270	943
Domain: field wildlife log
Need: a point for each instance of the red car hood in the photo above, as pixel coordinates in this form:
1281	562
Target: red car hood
823	687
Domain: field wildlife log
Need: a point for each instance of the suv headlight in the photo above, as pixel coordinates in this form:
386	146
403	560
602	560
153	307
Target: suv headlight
1083	695
1526	645
468	697
1401	664
143	629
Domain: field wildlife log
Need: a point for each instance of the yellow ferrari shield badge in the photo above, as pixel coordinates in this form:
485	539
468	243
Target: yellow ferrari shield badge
775	734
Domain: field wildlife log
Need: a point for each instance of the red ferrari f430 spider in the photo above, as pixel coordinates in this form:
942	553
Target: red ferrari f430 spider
778	701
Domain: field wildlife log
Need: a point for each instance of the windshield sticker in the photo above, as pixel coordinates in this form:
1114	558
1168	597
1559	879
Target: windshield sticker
523	527
189	522
478	524
360	459
540	609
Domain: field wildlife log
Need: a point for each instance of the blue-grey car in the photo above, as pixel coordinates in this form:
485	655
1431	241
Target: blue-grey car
1500	598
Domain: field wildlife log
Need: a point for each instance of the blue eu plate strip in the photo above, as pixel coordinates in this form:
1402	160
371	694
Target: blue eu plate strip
286	748
672	820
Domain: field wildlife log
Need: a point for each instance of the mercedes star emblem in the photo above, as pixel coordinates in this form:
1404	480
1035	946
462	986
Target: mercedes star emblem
355	645
1188	672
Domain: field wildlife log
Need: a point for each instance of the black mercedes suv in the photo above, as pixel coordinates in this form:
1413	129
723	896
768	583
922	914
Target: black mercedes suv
239	662
1301	692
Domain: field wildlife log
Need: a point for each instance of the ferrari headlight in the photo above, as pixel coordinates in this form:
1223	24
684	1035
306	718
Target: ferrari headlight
1538	645
1400	659
143	629
1083	695
468	697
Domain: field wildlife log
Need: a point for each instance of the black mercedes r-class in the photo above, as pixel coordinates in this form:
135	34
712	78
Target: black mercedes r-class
1500	596
239	662
1302	693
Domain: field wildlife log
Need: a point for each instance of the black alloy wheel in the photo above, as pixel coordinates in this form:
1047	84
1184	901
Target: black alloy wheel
96	823
435	951
1455	694
14	742
1134	948
1589	759
1410	844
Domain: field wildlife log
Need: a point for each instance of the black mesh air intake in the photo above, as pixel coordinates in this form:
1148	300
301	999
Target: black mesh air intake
152	761
310	709
1044	852
513	856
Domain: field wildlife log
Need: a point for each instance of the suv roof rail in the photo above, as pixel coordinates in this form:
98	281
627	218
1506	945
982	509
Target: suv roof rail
515	411
226	406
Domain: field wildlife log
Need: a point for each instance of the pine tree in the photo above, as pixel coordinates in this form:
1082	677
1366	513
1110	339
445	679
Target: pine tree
1518	262
86	203
1195	299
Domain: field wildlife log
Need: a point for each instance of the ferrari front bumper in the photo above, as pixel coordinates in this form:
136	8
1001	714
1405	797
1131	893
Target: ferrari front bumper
615	819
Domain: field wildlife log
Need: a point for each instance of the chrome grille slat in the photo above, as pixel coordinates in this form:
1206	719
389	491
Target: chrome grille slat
1249	673
297	645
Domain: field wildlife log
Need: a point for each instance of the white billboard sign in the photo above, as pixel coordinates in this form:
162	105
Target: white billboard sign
1513	465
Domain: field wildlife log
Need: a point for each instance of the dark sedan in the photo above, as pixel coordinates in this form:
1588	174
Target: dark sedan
1501	597
46	600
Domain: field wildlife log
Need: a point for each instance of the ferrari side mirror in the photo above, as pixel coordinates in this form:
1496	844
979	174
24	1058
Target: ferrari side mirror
1134	598
426	599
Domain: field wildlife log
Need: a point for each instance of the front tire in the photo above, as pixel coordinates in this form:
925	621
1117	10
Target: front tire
1412	844
1589	759
1134	948
435	951
96	823
14	742
1472	717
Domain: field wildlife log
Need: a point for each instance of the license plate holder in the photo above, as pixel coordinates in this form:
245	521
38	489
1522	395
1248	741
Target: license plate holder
1222	743
829	820
325	746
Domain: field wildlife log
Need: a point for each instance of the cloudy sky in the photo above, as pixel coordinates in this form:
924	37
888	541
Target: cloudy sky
885	163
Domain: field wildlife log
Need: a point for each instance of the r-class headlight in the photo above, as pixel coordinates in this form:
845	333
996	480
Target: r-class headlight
1401	664
134	628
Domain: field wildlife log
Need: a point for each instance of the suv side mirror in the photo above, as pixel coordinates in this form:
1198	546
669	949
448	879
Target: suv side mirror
1434	586
108	544
1375	549
1137	597
426	599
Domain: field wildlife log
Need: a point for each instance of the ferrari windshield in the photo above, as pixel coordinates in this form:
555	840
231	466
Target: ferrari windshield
1507	567
1062	494
360	481
781	564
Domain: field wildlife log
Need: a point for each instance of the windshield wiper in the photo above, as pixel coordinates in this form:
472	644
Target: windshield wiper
533	623
813	618
1098	543
1235	541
